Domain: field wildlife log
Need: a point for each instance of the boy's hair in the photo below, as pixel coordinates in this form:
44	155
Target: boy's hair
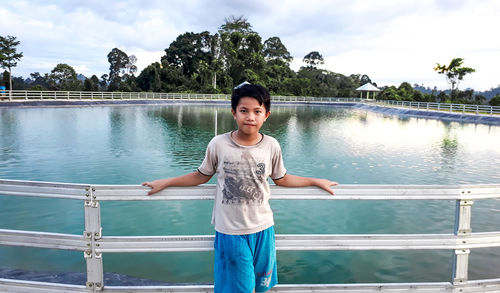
251	90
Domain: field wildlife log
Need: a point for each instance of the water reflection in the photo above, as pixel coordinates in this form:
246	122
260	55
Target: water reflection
128	145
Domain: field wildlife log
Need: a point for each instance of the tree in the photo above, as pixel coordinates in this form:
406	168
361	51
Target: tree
187	51
405	91
275	50
63	78
91	84
241	51
479	99
149	79
364	80
103	84
495	101
313	59
118	61
38	81
389	93
9	55
236	25
454	72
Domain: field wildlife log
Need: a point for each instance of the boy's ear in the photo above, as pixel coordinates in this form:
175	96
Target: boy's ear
268	113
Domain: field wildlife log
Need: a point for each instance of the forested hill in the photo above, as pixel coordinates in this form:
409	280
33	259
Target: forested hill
202	62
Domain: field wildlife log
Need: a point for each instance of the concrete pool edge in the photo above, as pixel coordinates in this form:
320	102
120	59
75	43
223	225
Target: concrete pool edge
393	111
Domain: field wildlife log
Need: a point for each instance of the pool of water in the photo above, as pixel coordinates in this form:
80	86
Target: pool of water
129	145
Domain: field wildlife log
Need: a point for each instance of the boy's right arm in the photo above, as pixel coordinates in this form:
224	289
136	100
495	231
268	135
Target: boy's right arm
191	179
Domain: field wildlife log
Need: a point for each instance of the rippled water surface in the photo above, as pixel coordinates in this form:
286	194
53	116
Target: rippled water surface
129	145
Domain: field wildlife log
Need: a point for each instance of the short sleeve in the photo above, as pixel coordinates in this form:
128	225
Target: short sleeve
209	165
278	166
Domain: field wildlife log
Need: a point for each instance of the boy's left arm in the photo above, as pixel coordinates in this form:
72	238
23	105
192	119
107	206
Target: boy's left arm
296	181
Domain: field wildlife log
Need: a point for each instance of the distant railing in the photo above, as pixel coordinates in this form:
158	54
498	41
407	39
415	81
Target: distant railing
22	95
94	244
456	108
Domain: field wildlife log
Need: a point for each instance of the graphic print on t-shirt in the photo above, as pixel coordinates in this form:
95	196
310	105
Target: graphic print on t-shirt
244	178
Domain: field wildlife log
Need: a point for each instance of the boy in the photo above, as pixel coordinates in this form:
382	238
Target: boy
245	254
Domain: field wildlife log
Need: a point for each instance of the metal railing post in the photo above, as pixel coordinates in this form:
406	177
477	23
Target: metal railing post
463	215
92	233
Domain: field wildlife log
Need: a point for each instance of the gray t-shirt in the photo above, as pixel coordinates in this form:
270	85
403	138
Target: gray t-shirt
241	204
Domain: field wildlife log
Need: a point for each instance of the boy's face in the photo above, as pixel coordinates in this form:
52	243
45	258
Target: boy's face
250	116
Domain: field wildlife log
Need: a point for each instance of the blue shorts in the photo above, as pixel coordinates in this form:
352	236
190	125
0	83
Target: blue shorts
245	262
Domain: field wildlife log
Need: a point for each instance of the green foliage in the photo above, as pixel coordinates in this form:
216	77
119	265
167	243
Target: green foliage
37	87
6	79
405	92
91	84
454	72
187	51
462	97
9	55
495	101
39	81
118	61
313	59
365	79
274	50
236	25
442	97
8	52
63	78
479	100
149	79
389	93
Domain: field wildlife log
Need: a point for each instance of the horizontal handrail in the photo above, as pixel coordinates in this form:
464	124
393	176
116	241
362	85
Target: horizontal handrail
294	242
43	240
479	286
206	191
93	244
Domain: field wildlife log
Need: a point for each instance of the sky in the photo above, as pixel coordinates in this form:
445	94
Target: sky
391	41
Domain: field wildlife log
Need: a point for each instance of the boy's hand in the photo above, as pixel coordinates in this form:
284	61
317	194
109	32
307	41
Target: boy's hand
326	185
155	187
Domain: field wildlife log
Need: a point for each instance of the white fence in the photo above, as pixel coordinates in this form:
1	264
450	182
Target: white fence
21	95
94	244
461	108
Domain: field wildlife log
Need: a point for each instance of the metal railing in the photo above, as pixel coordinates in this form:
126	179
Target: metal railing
21	95
456	108
24	95
94	244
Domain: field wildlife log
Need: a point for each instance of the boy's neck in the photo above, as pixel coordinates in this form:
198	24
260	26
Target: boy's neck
246	140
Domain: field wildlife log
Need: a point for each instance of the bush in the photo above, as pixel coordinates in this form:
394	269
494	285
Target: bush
495	101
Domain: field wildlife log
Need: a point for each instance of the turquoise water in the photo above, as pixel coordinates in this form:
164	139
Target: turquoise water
129	145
